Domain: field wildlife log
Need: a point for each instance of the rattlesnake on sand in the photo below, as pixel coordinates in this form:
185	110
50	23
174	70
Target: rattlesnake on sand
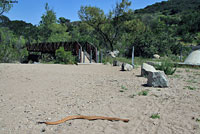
84	117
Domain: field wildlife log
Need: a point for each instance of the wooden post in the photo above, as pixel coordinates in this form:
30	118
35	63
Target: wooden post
101	56
133	57
84	57
181	53
90	55
97	56
80	55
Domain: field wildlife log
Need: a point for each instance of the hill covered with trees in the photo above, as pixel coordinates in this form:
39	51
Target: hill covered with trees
165	28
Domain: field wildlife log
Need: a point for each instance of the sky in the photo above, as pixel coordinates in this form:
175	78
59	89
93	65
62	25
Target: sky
31	11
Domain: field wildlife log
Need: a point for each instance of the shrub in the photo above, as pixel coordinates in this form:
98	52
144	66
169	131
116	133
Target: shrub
64	57
167	67
144	93
12	48
155	116
107	59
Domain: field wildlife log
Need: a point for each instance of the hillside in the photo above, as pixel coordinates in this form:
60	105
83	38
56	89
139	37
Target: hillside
182	17
171	7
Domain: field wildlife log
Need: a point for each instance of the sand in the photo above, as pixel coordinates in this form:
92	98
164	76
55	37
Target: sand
43	92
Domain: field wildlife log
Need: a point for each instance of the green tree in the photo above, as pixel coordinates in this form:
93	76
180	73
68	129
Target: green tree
48	19
107	27
58	33
5	6
64	57
12	48
50	30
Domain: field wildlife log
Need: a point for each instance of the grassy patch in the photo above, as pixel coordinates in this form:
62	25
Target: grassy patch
191	88
137	60
167	66
187	70
155	116
143	93
124	88
191	81
196	73
132	96
178	71
175	76
198	120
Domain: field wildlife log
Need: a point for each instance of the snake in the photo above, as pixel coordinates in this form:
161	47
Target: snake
84	117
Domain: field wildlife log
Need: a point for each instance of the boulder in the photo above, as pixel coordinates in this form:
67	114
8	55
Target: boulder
146	68
127	67
114	53
157	79
156	56
117	63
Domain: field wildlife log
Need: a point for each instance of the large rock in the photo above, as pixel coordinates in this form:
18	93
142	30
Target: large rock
114	53
156	56
127	67
146	68
117	63
157	79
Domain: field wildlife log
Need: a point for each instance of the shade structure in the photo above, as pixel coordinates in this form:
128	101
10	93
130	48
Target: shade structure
193	58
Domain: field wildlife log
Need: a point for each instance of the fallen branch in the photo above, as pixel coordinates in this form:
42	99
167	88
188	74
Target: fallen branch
84	117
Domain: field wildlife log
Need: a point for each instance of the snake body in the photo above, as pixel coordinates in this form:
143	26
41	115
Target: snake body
84	117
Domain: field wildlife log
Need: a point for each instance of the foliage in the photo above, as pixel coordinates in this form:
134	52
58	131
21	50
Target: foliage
48	19
21	28
11	47
107	59
166	66
191	88
124	88
5	6
107	27
64	57
155	116
58	33
144	93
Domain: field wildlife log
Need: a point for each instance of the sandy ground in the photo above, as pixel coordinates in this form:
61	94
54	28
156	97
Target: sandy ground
32	93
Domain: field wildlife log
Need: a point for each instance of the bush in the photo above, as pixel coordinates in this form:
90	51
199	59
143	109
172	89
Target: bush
167	67
12	48
64	57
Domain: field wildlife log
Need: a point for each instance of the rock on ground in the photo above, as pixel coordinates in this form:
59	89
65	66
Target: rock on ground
146	68
127	67
157	79
156	56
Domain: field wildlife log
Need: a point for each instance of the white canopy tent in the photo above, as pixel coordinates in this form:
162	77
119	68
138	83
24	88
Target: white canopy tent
193	58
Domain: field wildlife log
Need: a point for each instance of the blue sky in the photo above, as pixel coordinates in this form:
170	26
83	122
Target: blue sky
32	10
